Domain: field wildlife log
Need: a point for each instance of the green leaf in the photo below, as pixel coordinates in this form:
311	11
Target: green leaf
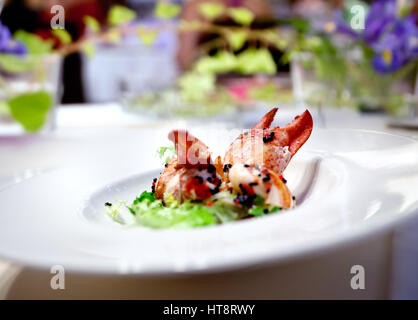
222	62
180	216
166	10
211	10
275	209
166	153
15	64
147	36
31	109
92	24
145	196
63	35
119	15
257	211
241	16
195	86
273	37
314	44
34	43
253	61
89	49
237	39
259	201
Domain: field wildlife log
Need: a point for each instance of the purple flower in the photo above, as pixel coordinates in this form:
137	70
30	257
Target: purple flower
8	45
380	16
387	61
397	46
5	36
393	39
342	27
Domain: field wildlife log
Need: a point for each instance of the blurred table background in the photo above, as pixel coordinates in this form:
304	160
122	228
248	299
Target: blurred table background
79	127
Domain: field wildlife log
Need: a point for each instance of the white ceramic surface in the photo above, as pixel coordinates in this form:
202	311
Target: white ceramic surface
350	184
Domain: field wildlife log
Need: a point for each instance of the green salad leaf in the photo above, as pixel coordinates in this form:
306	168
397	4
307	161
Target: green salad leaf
166	153
261	210
152	213
221	208
145	196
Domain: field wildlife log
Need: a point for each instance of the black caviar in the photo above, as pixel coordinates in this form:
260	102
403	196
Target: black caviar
269	138
214	190
227	167
211	168
245	200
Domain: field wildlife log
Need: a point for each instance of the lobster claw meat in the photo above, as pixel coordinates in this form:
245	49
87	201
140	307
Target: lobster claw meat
191	175
253	164
270	148
190	150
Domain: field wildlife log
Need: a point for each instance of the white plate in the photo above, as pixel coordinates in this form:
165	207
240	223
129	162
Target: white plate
350	184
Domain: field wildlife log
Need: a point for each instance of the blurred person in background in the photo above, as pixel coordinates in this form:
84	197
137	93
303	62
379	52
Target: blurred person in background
35	15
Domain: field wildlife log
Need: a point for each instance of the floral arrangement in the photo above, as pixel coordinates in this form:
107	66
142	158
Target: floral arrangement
390	34
23	51
364	65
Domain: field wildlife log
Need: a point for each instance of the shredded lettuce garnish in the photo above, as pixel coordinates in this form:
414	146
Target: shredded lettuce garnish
166	153
260	208
221	208
152	213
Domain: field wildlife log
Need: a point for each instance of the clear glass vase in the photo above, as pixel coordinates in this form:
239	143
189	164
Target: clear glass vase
308	87
371	91
30	90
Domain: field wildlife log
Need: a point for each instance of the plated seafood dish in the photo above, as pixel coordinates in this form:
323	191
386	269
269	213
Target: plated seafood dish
195	189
